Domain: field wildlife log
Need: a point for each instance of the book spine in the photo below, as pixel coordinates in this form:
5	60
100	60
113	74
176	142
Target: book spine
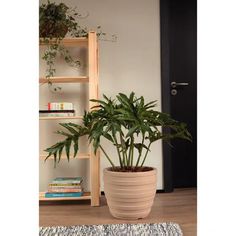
56	114
64	190
65	184
68	179
67	187
52	195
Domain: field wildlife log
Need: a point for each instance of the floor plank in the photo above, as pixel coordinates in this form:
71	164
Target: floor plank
179	207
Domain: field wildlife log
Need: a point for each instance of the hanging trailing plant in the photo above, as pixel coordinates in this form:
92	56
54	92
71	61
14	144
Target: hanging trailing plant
50	55
55	22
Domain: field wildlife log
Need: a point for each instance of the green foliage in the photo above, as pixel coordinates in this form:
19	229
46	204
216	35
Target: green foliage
50	54
55	22
123	122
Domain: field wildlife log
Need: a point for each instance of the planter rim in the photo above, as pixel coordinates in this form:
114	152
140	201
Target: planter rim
140	173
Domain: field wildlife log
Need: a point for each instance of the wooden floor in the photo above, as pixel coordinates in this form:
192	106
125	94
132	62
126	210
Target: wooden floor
179	207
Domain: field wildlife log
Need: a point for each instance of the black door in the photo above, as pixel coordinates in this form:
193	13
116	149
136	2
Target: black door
179	87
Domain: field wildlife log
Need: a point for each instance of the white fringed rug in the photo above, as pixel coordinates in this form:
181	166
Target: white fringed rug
161	229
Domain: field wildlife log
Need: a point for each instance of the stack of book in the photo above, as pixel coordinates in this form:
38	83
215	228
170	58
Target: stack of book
60	106
58	109
65	187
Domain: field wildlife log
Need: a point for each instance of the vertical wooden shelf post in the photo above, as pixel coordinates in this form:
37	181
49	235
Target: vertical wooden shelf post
93	94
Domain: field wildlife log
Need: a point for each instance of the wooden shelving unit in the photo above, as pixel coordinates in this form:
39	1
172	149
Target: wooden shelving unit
69	42
92	80
78	156
80	79
61	118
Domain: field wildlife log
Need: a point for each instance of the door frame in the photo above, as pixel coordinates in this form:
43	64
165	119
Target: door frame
165	89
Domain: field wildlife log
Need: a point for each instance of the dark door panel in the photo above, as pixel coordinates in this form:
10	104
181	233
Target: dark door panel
179	50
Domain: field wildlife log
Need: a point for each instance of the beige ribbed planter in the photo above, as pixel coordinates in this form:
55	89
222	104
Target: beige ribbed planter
130	195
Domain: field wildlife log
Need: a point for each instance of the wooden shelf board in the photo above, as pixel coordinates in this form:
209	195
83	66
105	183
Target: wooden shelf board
61	79
70	42
63	156
61	118
85	196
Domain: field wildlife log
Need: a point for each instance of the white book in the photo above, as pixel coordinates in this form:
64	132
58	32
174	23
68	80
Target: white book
60	106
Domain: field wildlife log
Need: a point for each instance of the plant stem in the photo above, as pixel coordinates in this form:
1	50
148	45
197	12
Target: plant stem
146	154
118	151
125	158
108	158
130	161
132	155
140	153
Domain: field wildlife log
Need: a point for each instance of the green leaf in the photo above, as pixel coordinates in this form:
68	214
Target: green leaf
150	104
96	143
59	153
55	159
108	136
72	130
139	147
131	96
63	133
127	143
98	101
131	131
49	154
67	147
76	146
98	106
141	101
124	100
106	98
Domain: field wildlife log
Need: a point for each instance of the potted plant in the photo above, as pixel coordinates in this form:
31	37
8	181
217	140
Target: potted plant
56	21
132	126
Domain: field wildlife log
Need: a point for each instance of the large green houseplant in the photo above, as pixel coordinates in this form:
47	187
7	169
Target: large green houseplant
132	126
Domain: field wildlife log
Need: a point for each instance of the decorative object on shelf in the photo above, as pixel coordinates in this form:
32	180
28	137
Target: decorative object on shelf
123	121
55	22
65	187
161	229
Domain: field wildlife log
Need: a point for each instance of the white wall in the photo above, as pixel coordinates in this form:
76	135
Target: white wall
130	64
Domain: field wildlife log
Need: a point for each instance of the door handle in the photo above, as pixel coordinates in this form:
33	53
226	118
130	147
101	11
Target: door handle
175	84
